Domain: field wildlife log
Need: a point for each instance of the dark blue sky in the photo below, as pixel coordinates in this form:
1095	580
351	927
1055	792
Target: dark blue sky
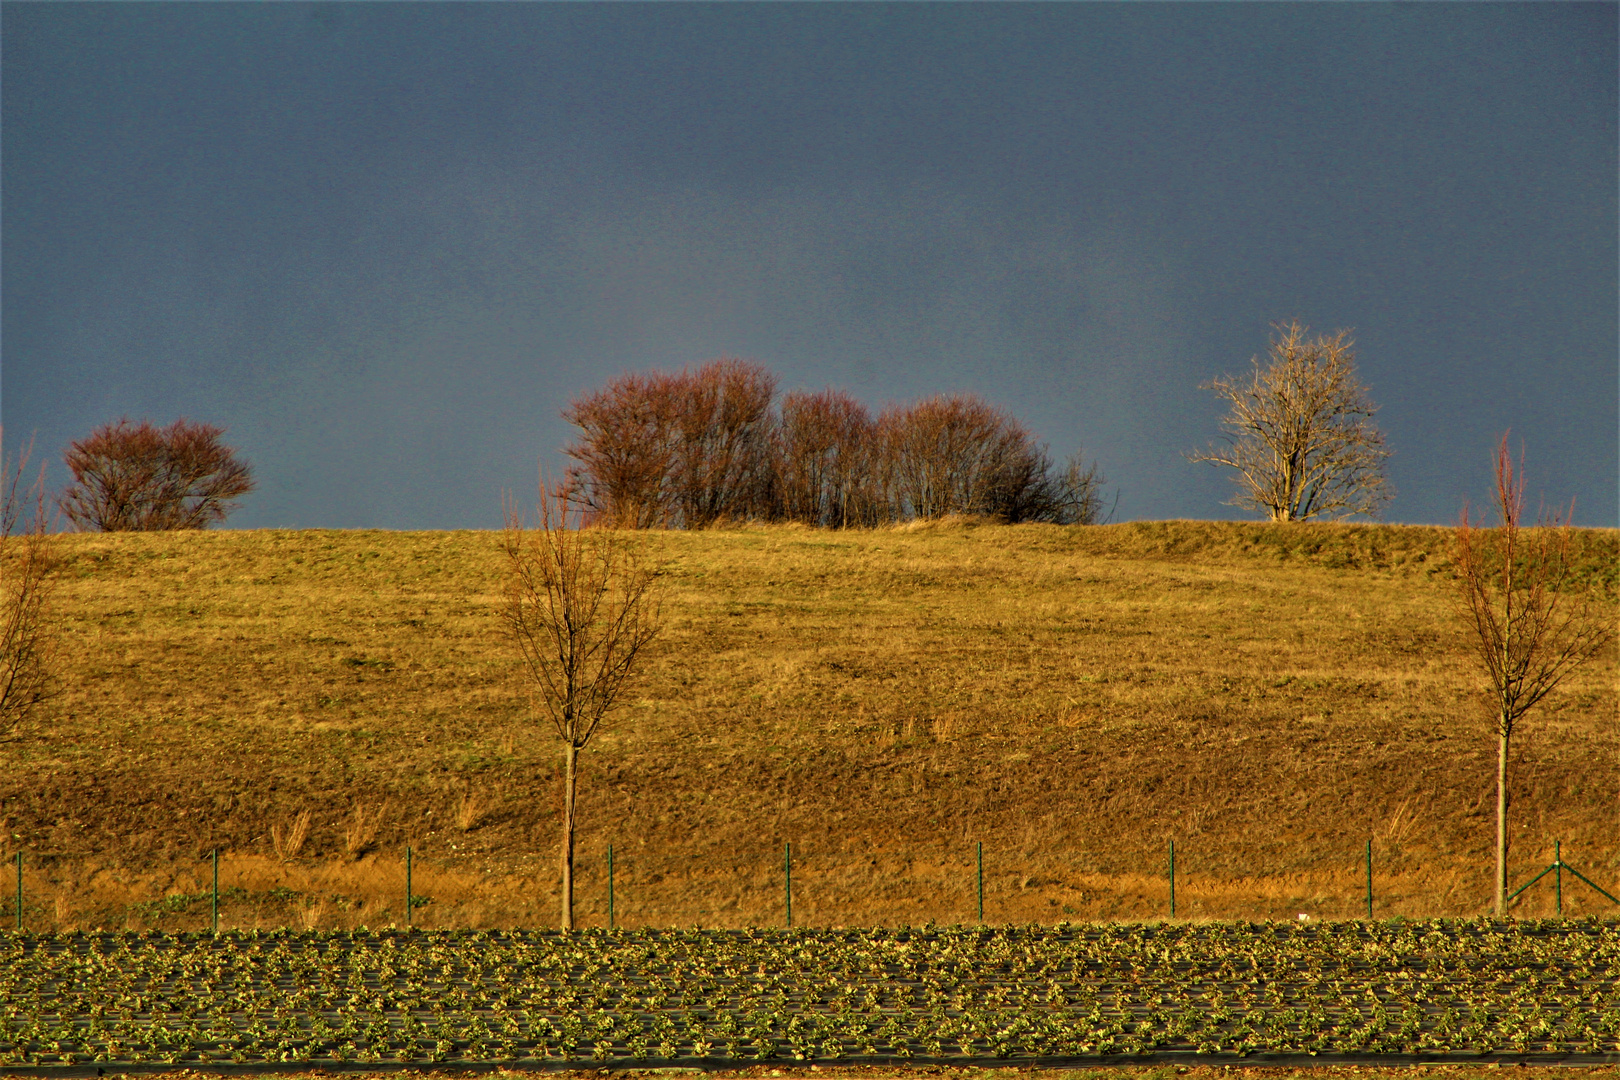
385	244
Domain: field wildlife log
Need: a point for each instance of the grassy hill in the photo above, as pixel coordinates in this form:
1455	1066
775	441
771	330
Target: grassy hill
1269	697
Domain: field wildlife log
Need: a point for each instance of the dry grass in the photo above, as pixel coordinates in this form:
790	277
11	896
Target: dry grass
471	810
361	834
288	840
1268	696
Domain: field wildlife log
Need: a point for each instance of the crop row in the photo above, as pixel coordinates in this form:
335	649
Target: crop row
649	997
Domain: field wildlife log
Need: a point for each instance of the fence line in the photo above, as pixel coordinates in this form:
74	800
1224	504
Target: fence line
414	900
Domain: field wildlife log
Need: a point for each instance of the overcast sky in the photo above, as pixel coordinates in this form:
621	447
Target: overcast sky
384	244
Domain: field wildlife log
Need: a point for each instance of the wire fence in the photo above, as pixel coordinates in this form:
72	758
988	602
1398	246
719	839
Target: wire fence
797	885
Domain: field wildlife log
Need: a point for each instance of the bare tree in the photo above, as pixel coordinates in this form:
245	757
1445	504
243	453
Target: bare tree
1531	624
949	454
1300	434
1079	498
137	477
725	449
690	448
958	454
27	646
628	449
582	606
824	450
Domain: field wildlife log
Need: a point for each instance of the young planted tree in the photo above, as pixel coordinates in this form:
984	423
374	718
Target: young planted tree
26	560
1299	435
137	477
582	607
1530	624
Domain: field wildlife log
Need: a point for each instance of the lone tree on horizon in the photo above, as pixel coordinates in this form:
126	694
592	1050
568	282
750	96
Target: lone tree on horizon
1299	434
131	477
582	607
1532	623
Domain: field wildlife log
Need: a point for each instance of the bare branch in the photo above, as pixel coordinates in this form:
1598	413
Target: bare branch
27	562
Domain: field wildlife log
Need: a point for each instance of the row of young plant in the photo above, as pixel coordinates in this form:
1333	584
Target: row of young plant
645	997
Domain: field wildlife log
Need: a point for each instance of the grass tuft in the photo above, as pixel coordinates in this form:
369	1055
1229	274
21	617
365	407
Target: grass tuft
361	834
288	839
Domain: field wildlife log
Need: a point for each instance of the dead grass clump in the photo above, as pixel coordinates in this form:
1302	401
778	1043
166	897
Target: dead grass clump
313	914
361	834
288	840
942	522
1400	824
470	811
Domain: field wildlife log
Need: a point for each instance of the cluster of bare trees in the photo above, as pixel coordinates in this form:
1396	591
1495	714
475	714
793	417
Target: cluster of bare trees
692	448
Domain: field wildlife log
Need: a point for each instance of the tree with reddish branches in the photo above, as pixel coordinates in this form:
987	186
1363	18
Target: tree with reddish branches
131	477
823	459
958	454
724	457
1531	624
628	447
691	448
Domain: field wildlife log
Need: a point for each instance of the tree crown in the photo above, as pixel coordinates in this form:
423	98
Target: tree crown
139	477
1299	433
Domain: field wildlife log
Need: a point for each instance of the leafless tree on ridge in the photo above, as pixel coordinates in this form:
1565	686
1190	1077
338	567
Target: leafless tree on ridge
1299	434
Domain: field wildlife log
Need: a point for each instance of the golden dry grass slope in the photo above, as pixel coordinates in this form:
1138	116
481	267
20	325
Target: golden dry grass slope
1269	697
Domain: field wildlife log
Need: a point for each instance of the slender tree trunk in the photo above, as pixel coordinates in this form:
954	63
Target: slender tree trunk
1501	822
570	756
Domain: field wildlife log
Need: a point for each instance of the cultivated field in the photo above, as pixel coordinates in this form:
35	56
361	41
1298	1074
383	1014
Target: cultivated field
1270	697
1443	991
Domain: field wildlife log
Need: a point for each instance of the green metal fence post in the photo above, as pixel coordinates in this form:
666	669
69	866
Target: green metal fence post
1369	878
1172	879
978	850
407	886
19	892
610	886
1558	875
787	862
214	903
